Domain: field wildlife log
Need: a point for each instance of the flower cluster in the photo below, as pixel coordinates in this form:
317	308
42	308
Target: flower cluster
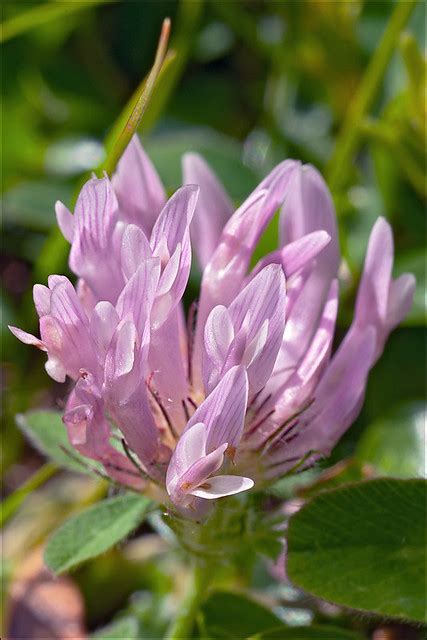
247	389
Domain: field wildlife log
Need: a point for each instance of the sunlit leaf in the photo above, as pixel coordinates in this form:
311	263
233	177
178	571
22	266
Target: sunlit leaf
363	546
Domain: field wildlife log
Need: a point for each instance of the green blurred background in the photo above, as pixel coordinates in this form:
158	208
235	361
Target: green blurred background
251	83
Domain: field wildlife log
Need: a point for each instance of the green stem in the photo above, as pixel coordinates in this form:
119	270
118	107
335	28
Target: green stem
38	16
350	134
14	501
182	627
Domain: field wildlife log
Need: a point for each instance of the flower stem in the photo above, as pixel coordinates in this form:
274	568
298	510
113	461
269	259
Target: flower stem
15	499
182	627
350	134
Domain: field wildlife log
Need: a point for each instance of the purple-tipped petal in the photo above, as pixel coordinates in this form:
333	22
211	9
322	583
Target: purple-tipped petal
223	411
41	297
340	390
297	255
137	297
173	222
138	187
65	221
27	338
253	328
95	219
371	304
309	207
220	486
225	273
170	242
214	207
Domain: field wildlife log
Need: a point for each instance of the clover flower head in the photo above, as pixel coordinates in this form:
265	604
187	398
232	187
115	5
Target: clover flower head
247	388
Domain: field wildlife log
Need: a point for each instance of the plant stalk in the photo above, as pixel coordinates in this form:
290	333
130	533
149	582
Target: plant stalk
15	499
182	627
142	102
350	134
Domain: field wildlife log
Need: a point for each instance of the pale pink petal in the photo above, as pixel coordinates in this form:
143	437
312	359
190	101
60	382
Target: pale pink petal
214	207
167	365
95	219
41	297
201	469
372	298
65	221
174	219
103	324
135	248
136	299
27	338
225	273
258	319
138	187
309	207
220	486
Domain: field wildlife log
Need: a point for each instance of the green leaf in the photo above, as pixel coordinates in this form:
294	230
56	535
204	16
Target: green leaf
94	531
395	444
123	628
47	434
234	615
363	546
32	204
316	632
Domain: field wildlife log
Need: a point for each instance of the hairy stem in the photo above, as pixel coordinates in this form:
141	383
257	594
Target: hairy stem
182	627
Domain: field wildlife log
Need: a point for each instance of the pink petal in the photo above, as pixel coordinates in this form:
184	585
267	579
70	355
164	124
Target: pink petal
174	219
224	275
65	221
93	242
223	411
309	207
372	298
167	361
103	324
27	338
41	297
258	319
214	207
135	248
136	299
138	187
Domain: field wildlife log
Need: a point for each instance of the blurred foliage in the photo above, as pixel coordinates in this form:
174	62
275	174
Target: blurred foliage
250	83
